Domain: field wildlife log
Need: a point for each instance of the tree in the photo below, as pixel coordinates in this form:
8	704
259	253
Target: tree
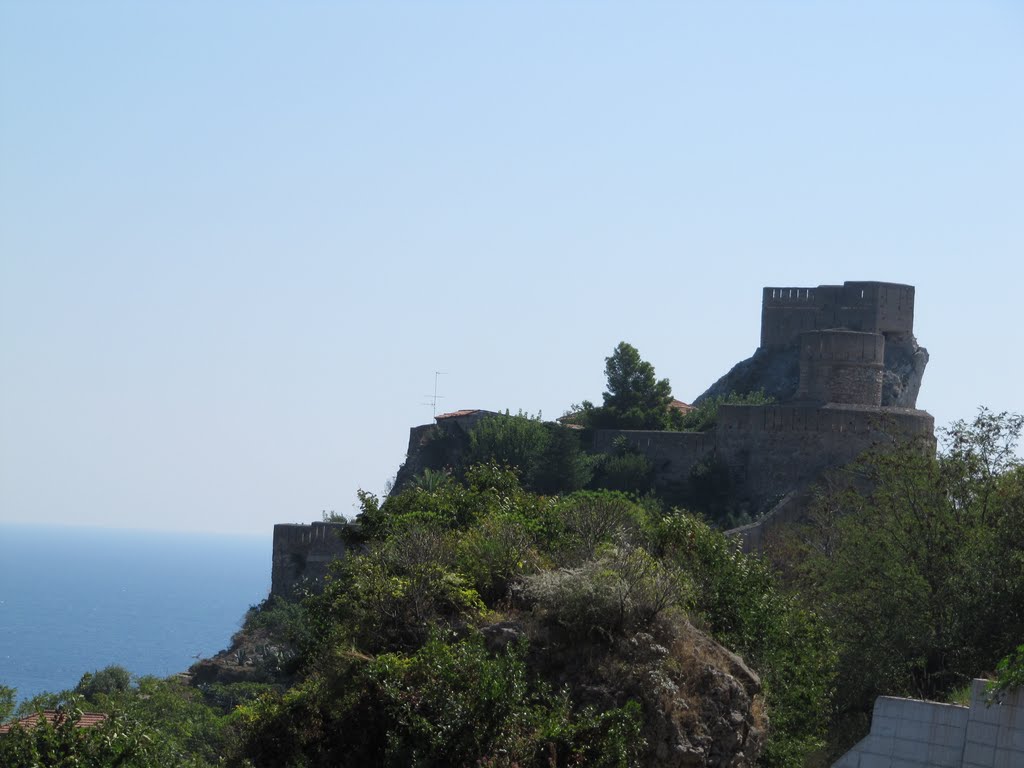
6	702
636	398
117	741
515	441
921	578
109	680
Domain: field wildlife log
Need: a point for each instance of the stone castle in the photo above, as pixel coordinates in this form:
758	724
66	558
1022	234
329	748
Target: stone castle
840	360
844	365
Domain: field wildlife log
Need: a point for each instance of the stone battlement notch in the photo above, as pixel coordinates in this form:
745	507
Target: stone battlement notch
869	307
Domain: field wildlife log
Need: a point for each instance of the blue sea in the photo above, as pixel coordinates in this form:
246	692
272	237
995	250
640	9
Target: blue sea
74	600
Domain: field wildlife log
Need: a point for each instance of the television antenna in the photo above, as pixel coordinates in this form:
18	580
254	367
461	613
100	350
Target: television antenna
432	399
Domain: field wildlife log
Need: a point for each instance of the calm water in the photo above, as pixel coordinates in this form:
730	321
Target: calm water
73	600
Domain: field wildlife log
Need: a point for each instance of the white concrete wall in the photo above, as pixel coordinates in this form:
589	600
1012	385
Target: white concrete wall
995	734
906	733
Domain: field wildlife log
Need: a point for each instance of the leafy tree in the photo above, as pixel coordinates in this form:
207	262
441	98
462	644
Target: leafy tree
515	441
108	681
118	741
636	398
624	469
921	577
6	702
1009	675
742	602
563	467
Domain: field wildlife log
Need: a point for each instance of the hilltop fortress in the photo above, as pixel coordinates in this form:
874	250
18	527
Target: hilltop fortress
845	368
842	364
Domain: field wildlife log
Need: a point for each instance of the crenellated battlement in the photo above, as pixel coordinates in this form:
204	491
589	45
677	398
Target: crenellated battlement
870	307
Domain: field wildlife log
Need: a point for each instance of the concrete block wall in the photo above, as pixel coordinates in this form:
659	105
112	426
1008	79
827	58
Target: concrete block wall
907	733
995	733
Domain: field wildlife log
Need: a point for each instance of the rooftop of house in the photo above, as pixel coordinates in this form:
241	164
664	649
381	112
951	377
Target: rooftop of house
54	718
456	414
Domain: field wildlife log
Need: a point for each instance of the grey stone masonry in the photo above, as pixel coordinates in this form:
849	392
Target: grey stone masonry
301	555
907	733
872	307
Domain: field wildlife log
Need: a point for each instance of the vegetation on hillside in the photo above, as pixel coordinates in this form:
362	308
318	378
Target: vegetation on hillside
917	565
480	622
573	581
636	399
556	458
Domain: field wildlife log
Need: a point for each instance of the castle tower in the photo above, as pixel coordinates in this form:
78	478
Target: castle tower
838	366
872	307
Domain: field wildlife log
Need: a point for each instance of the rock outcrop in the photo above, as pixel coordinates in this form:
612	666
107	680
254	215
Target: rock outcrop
702	705
776	371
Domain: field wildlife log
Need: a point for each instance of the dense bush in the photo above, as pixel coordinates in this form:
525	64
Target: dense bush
622	590
922	577
589	519
447	704
738	598
547	457
150	722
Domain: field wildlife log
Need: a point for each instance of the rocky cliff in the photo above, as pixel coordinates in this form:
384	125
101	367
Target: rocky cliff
776	370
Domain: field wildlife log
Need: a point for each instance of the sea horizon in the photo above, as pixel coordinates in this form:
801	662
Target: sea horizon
74	599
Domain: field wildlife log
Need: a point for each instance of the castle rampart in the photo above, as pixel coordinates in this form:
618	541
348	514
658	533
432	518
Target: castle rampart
774	449
772	452
871	307
841	367
673	454
302	553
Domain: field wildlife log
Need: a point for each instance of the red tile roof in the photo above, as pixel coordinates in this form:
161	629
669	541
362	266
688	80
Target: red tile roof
53	717
456	414
679	405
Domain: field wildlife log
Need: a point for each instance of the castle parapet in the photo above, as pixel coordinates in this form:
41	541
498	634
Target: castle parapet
841	367
302	553
870	307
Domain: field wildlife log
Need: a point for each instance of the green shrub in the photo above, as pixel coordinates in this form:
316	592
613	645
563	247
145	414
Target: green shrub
494	552
393	596
515	441
622	590
1009	675
740	601
444	705
589	519
107	681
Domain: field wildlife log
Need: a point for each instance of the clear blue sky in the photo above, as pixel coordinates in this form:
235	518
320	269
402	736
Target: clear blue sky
237	239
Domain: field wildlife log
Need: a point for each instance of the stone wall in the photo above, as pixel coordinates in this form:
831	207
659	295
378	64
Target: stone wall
301	555
871	307
774	449
841	367
673	454
786	313
907	733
